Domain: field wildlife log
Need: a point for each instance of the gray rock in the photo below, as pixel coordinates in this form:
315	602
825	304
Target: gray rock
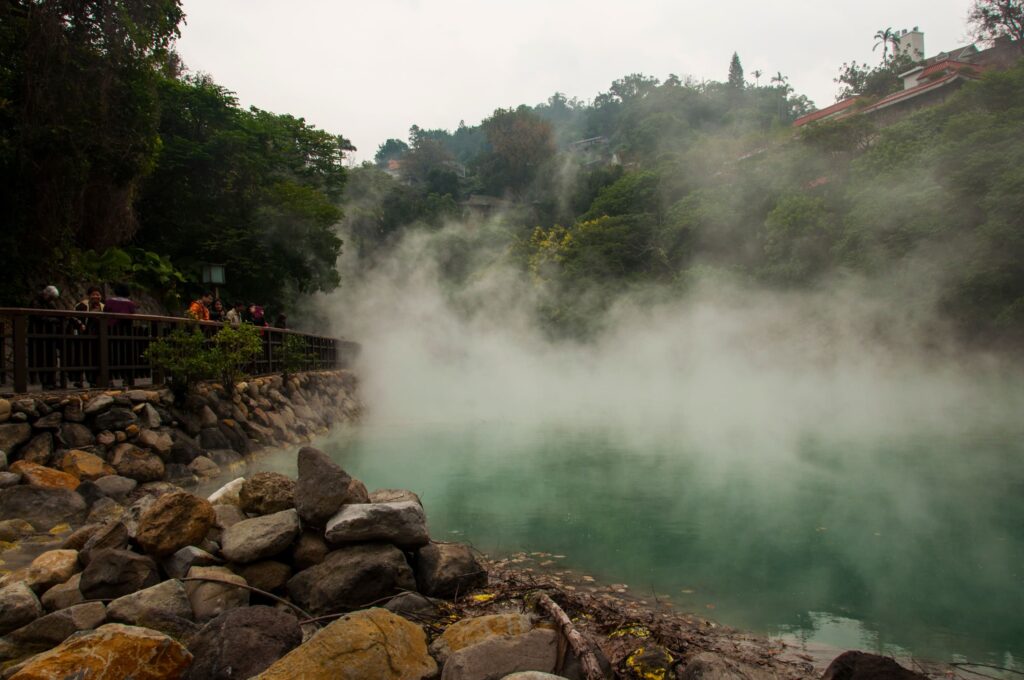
864	666
212	597
110	536
260	538
43	508
137	396
212	438
178	564
39	449
74	411
309	551
116	487
227	459
351	578
9	479
148	417
77	539
14	529
402	523
153	603
321	486
133	514
13	435
3	460
64	595
267	575
19	606
115	419
204	468
138	464
234	434
104	510
242	643
207	418
49	422
90	492
448	569
266	493
75	436
98	404
497	657
52	629
159	442
113	573
394	496
414	606
227	515
184	450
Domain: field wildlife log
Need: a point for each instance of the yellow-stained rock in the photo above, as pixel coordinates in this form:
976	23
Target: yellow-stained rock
131	431
44	477
46	571
85	465
111	652
471	631
372	643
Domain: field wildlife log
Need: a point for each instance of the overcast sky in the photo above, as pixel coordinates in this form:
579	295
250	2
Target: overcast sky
371	69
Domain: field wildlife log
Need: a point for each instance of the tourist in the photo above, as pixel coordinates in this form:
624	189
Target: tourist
122	349
200	309
121	302
78	349
44	341
235	315
258	316
217	311
92	302
281	321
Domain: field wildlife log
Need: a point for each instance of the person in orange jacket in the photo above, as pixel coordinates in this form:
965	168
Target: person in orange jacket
200	309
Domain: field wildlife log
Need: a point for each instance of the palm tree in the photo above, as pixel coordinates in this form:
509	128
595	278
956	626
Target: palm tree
757	76
885	37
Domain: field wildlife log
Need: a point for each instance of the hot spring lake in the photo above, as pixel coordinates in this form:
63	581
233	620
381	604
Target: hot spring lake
901	545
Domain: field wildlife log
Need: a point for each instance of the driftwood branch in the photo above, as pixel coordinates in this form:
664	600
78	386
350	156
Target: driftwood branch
579	646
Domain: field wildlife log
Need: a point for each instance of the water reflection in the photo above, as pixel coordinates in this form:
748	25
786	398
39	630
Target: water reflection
901	546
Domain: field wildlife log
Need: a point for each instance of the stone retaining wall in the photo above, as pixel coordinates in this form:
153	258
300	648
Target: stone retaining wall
144	435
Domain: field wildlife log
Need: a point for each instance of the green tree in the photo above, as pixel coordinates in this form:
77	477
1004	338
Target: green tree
991	19
520	143
392	149
736	80
886	38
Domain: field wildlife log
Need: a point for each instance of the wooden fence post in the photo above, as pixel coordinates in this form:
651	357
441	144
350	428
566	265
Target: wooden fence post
19	327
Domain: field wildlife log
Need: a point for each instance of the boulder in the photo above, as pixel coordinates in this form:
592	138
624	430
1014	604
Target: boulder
50	421
228	494
105	510
403	523
159	442
112	573
110	536
56	627
174	521
74	411
357	493
116	487
49	569
213	438
64	595
9	479
235	436
38	450
111	651
497	657
862	666
266	493
321	487
267	575
394	496
227	516
14	529
90	492
309	551
43	477
352	577
106	438
19	606
164	601
373	643
43	508
184	449
260	538
178	564
115	419
447	569
207	418
133	515
98	404
216	593
138	464
204	468
226	459
242	643
74	436
469	632
414	606
5	410
149	417
77	539
84	465
13	435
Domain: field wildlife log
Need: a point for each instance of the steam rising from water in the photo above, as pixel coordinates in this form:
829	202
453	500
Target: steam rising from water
746	373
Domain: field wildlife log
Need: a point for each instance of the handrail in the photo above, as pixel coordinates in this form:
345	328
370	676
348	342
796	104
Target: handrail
44	347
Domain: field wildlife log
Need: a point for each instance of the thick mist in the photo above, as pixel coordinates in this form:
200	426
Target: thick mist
747	373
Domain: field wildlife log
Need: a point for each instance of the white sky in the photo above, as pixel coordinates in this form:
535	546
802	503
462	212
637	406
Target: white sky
370	69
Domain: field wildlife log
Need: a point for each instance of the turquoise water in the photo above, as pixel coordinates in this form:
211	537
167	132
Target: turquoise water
909	546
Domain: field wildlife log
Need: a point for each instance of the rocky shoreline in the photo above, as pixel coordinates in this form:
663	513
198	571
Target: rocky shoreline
272	577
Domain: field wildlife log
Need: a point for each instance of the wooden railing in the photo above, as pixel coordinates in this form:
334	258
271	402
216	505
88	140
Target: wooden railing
58	349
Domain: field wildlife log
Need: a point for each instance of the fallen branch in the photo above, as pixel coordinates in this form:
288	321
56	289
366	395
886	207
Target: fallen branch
580	647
